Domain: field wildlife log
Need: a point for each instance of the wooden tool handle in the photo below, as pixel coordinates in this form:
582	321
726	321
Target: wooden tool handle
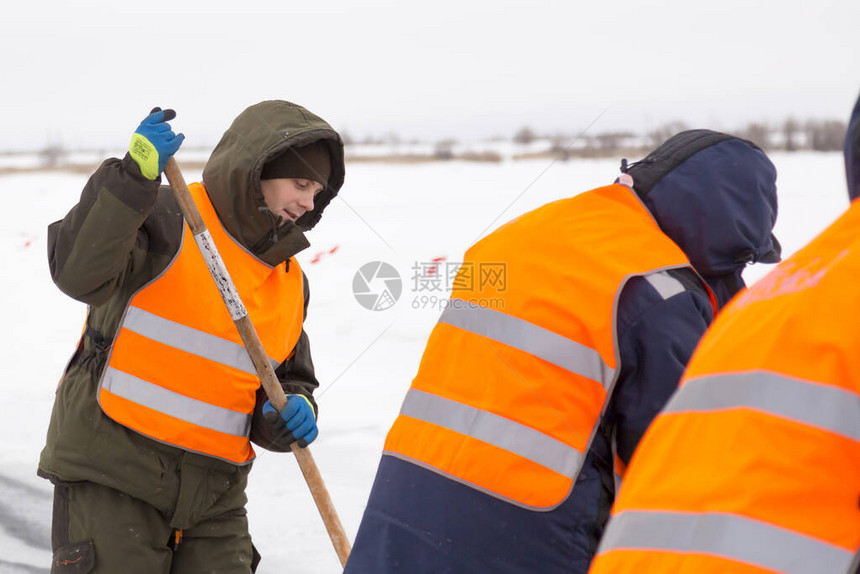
255	349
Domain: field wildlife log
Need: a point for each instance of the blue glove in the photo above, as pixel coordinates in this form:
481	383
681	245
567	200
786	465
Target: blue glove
154	142
296	421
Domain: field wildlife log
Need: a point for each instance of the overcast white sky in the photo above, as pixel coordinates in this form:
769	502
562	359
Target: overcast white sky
83	73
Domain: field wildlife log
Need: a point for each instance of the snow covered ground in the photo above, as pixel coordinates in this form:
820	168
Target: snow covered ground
406	215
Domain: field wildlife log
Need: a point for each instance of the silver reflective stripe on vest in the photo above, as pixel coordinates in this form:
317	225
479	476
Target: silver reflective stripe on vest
176	405
190	340
530	338
726	536
666	285
493	429
823	406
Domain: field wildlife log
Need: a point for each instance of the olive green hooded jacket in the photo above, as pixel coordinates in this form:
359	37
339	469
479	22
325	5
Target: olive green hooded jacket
121	235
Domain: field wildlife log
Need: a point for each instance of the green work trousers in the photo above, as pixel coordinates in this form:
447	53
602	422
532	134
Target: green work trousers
101	530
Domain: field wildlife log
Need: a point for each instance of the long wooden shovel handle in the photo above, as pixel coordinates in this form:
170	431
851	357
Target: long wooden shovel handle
257	353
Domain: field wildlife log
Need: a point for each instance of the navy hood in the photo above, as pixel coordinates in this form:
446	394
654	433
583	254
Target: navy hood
852	153
714	195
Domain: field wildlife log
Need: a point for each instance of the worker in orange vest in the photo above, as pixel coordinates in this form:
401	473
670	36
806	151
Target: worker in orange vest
149	444
754	464
536	386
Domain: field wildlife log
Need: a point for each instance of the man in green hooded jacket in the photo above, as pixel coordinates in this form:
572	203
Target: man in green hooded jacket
138	495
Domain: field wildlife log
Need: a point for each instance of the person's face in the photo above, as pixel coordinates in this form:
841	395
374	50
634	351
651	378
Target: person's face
290	198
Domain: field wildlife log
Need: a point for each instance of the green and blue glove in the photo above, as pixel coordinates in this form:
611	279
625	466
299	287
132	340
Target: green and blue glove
296	421
154	142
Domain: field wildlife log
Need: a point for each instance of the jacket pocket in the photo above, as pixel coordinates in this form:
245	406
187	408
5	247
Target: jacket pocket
74	558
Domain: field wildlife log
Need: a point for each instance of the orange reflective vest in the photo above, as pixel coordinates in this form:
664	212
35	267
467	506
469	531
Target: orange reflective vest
178	371
754	465
520	366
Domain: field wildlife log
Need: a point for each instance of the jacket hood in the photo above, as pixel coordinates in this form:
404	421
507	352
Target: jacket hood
232	176
714	195
852	153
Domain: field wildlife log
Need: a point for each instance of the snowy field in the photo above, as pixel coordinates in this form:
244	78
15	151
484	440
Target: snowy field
405	215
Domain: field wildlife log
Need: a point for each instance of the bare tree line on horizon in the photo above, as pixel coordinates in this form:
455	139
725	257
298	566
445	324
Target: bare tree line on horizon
789	135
